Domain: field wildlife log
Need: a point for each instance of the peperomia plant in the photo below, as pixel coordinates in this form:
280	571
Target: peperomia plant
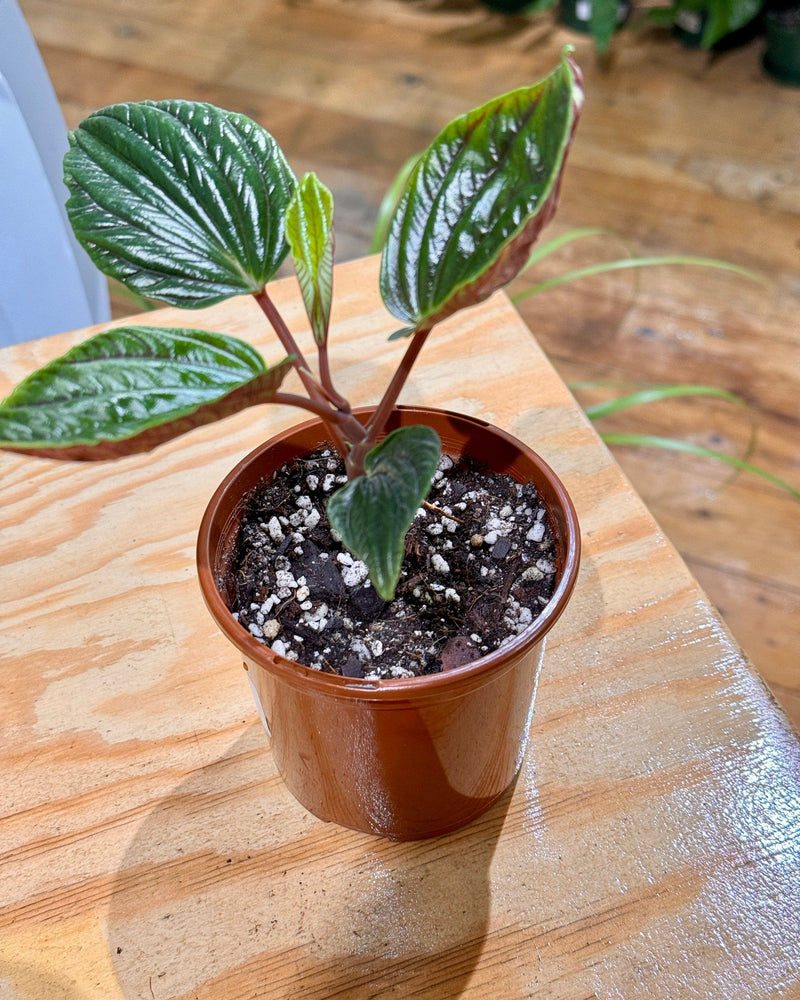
190	204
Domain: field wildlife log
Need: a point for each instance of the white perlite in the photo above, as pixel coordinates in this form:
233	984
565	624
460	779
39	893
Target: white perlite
440	564
271	628
275	530
536	533
284	580
517	617
355	573
317	618
500	525
269	604
359	647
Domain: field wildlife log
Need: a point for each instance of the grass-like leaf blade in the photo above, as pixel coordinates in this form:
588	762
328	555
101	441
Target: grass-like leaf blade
690	448
626	263
373	512
655	394
127	389
477	199
180	201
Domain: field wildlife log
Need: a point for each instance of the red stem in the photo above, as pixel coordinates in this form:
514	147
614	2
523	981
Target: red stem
327	382
355	460
321	410
395	387
289	344
351	439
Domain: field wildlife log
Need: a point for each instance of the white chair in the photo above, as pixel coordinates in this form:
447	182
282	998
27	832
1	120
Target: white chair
47	282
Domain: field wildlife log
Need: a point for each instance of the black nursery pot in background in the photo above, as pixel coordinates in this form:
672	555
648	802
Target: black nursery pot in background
782	54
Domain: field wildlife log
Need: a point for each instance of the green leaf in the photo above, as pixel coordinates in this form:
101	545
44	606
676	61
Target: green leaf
477	199
180	201
122	385
603	22
726	16
373	512
653	394
545	249
688	447
309	230
389	204
404	331
636	262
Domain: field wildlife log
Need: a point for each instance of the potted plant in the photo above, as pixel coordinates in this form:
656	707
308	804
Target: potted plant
599	18
190	204
709	24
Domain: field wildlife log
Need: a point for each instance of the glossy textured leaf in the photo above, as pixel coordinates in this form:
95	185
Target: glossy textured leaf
477	199
180	201
309	230
122	383
373	512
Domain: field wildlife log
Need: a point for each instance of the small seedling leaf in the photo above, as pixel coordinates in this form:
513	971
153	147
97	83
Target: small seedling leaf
373	512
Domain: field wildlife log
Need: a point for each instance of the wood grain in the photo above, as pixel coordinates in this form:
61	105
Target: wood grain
676	153
148	849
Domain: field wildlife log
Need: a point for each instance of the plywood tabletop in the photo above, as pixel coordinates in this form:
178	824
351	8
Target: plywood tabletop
148	849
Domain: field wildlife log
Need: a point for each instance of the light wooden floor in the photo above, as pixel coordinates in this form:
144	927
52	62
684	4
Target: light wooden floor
675	154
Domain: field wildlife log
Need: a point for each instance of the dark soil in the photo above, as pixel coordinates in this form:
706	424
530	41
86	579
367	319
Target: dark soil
479	568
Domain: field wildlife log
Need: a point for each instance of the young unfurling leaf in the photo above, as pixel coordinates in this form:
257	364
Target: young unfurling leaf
309	230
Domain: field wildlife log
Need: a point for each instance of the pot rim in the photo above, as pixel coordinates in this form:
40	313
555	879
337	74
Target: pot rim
399	688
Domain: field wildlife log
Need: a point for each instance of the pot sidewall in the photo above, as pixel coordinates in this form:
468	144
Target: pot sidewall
407	758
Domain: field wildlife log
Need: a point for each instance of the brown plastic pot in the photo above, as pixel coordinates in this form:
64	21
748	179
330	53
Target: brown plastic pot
405	758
